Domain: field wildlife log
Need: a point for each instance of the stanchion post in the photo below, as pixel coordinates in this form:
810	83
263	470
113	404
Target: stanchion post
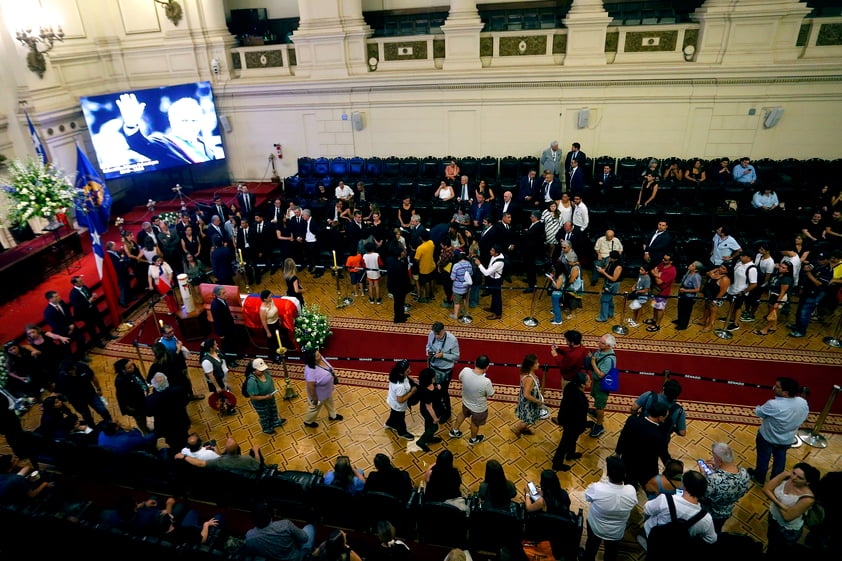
667	375
289	391
835	340
621	329
531	321
812	436
341	301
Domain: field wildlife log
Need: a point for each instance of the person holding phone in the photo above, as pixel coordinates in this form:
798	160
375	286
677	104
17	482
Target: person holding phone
548	497
261	390
727	484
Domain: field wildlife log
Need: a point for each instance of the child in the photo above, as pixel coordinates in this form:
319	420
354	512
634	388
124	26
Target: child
639	296
356	269
372	272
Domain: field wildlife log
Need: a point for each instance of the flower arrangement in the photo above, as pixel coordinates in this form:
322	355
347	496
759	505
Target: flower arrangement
36	189
311	328
171	218
4	370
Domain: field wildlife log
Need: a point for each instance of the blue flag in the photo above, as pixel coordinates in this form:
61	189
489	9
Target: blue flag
40	150
93	203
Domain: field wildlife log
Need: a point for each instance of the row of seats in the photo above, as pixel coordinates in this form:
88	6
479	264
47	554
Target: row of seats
510	168
302	495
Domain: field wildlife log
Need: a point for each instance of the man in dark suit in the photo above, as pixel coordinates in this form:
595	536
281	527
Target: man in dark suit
656	245
297	227
549	190
354	232
530	247
263	238
576	180
308	240
507	203
184	222
275	212
577	155
120	262
57	315
464	191
223	324
569	233
85	310
485	239
217	231
604	179
479	210
219	208
246	202
221	262
245	248
528	189
398	280
147	230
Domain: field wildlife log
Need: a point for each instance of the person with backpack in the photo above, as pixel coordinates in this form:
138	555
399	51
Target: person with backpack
677	526
676	419
743	282
641	443
599	364
259	388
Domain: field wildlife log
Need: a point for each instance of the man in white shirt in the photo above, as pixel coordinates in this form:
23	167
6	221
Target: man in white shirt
476	389
611	503
687	505
765	264
580	214
725	247
197	449
602	248
494	280
343	192
744	281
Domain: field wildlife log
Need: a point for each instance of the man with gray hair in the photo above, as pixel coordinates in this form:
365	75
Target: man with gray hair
308	240
223	324
552	159
727	484
599	364
168	406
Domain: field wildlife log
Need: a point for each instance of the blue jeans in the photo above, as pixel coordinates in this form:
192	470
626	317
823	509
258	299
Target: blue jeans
806	307
606	306
473	299
556	296
765	451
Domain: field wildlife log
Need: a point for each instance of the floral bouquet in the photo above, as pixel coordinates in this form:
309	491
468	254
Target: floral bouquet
171	218
311	329
36	190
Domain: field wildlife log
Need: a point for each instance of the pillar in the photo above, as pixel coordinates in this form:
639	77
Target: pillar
587	24
461	36
330	41
749	31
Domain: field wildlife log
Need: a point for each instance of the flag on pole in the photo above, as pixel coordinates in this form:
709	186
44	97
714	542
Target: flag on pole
40	149
93	210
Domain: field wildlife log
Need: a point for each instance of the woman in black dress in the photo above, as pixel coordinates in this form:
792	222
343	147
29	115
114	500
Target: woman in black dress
294	288
648	191
190	242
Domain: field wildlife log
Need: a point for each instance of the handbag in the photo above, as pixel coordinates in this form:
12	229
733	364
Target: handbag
611	381
468	279
543	411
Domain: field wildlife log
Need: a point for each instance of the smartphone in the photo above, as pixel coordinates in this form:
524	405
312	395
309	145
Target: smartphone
705	467
533	491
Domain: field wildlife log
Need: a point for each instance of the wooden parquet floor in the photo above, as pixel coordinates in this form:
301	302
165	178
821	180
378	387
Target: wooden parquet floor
361	434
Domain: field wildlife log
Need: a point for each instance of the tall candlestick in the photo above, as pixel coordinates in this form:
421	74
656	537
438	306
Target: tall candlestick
160	323
334	259
240	253
281	348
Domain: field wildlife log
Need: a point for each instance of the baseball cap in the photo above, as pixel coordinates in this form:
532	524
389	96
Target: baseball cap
822	255
259	364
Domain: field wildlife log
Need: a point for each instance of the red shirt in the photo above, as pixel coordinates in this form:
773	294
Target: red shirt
667	278
570	360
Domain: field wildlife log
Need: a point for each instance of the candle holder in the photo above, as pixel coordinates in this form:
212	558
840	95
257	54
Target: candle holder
341	301
289	391
242	269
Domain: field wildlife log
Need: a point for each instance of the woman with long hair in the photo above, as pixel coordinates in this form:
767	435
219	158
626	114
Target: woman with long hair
551	497
271	321
160	279
565	209
443	481
791	494
529	401
319	378
695	174
552	225
401	390
496	491
294	287
648	191
779	284
213	365
335	548
714	290
344	476
191	244
261	389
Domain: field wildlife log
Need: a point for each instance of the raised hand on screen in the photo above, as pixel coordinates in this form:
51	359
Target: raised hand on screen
131	110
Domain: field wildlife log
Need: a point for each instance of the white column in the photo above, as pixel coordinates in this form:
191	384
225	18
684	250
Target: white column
461	36
749	31
587	24
330	39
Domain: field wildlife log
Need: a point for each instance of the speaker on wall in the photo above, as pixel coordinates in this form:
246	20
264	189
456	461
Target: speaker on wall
582	118
772	117
357	120
226	124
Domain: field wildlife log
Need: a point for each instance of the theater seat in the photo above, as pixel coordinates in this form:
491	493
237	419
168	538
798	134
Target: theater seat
527	164
488	169
430	168
305	167
392	167
334	506
356	167
469	166
409	167
442	524
373	507
288	493
563	531
339	167
490	529
509	168
321	167
373	168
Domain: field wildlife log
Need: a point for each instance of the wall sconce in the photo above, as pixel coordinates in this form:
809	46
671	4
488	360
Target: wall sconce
172	10
35	60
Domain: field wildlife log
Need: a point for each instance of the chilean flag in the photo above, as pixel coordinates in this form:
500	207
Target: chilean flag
93	210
